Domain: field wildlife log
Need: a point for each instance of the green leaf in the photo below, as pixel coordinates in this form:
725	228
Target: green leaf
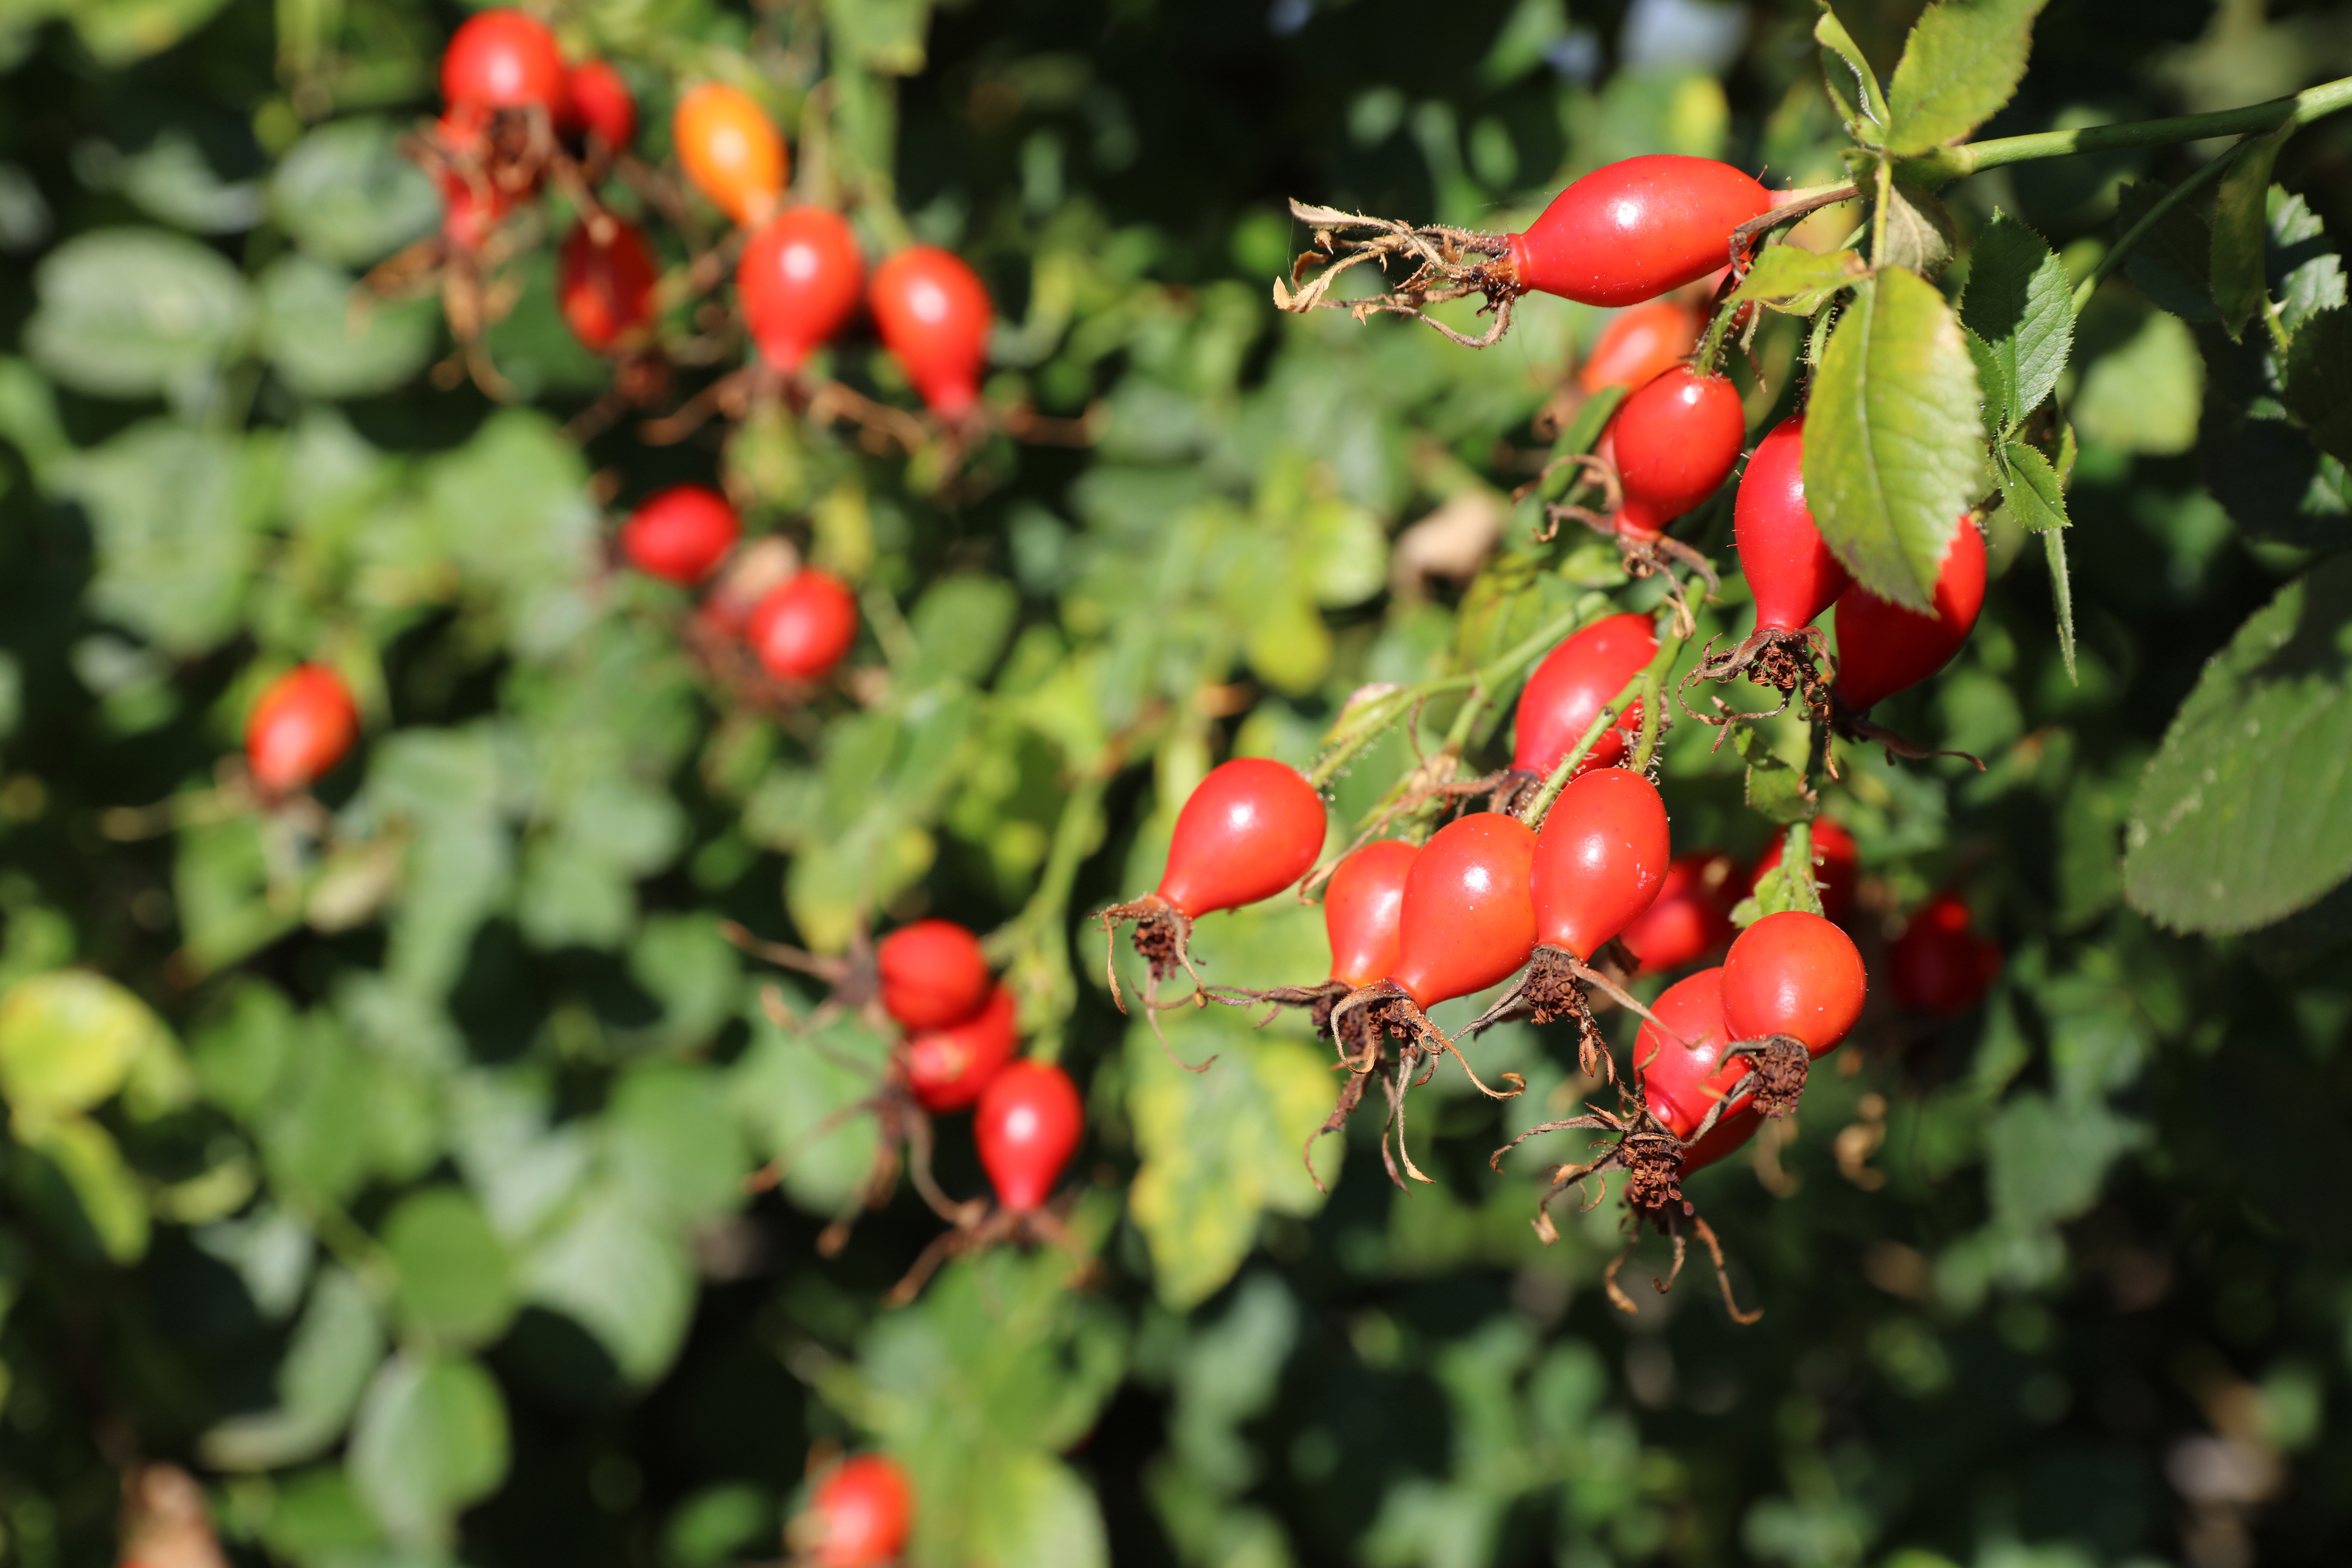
221	884
1788	885
2319	381
1775	790
795	1091
177	515
1792	279
960	629
1863	110
2169	262
2306	277
69	1040
2145	395
2244	815
329	341
2242	230
102	1185
670	1142
2034	492
2019	303
348	195
1962	62
1222	1147
133	312
456	1282
118	31
885	36
1035	1509
620	1272
431	1438
336	1348
1893	454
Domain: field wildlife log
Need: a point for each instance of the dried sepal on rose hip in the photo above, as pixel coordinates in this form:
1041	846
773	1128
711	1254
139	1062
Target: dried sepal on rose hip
1673	1116
1465	921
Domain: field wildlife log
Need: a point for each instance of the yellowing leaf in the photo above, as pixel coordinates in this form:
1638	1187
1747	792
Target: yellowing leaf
1223	1146
71	1039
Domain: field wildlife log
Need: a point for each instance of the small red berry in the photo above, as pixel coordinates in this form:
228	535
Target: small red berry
303	725
1675	439
1632	230
502	59
1028	1126
598	106
1938	964
1252	827
1790	567
1599	859
1793	974
934	314
1570	686
949	1066
933	974
1469	916
862	1508
605	291
1361	909
1691	915
1837	865
799	279
680	534
1682	1077
1641	344
1884	648
805	626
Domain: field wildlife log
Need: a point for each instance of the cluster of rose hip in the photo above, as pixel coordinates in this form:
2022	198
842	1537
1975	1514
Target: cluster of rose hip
515	115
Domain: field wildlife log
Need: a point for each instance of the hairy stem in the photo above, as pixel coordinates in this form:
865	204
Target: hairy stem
1945	164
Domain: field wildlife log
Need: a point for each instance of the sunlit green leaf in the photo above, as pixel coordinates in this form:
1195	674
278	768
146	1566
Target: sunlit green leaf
1963	61
1893	453
2244	816
431	1437
1792	279
70	1040
131	312
2019	304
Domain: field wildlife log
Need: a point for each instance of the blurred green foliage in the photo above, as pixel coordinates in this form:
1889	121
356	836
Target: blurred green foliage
390	1177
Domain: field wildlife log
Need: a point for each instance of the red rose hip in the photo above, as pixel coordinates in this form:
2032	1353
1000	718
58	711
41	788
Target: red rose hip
948	1068
303	725
1938	965
799	280
933	973
1641	344
1469	917
1691	915
1632	230
860	1514
605	290
598	106
1675	439
1599	859
1789	566
1793	974
805	628
933	312
1028	1126
1570	686
502	59
1884	648
1252	829
1361	908
680	534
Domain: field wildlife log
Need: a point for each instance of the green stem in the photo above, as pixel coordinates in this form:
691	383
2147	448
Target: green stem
2148	220
1945	164
1481	682
1878	212
1645	689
